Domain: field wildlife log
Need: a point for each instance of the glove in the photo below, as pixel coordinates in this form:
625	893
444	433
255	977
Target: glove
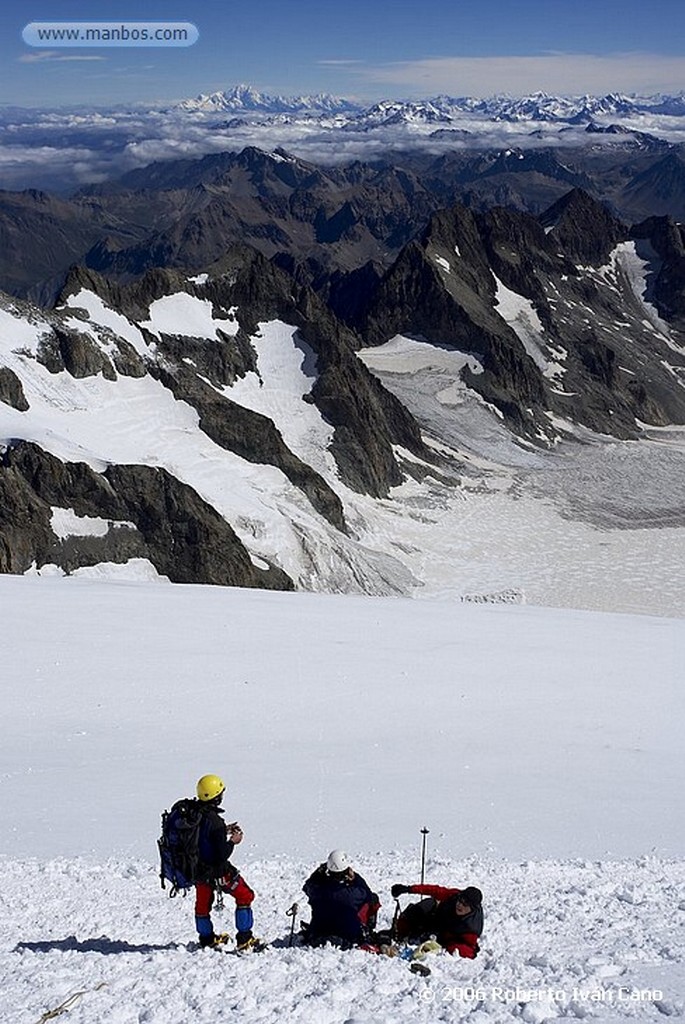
235	833
398	890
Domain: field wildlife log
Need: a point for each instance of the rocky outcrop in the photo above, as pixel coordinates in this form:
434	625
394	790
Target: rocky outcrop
11	390
74	352
184	537
133	298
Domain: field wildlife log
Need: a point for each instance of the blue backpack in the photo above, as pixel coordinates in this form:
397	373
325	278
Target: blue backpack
179	845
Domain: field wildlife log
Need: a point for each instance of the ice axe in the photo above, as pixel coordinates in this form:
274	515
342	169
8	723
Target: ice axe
292	913
424	836
395	916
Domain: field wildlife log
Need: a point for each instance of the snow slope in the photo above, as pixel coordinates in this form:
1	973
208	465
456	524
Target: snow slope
541	747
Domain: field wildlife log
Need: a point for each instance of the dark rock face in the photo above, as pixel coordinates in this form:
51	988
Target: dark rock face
522	255
420	296
367	419
132	299
584	230
126	360
348	294
187	539
11	390
183	537
25	532
668	289
598	359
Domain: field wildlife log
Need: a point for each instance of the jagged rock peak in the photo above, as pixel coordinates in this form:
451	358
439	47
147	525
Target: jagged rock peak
584	228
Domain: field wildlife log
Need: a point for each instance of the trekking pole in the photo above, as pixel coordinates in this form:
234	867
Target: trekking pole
424	834
292	913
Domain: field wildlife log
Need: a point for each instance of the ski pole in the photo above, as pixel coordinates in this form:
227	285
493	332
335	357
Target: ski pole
424	834
292	913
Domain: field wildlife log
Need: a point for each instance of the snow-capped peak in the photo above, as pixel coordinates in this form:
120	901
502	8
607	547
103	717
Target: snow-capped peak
242	98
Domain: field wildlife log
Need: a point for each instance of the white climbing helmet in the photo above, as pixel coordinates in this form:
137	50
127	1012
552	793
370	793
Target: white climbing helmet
337	862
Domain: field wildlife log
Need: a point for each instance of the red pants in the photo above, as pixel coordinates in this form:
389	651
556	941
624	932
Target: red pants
235	885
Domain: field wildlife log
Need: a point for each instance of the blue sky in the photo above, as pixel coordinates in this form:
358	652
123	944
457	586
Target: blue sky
366	49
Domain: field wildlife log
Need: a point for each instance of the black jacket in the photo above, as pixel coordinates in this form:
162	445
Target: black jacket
215	848
342	905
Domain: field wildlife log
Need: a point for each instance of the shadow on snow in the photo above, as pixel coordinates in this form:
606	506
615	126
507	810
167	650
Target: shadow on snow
101	945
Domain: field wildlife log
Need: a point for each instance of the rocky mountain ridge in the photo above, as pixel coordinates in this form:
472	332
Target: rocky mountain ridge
326	221
233	418
551	309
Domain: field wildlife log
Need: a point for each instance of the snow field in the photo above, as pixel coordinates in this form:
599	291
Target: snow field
324	708
185	314
601	941
287	371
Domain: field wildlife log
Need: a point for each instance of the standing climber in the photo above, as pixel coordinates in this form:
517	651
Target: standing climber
216	843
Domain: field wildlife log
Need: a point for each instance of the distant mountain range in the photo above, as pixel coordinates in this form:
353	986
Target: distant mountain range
243	98
538	106
41	145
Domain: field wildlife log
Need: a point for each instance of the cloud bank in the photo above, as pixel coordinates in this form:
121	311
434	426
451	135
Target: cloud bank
61	150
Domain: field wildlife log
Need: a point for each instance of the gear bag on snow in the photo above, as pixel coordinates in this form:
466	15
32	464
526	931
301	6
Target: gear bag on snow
179	849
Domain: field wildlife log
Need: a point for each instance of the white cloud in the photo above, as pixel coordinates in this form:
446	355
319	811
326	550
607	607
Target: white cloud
48	56
569	74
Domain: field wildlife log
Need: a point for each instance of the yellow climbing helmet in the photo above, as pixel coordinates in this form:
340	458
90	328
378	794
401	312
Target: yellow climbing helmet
210	787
